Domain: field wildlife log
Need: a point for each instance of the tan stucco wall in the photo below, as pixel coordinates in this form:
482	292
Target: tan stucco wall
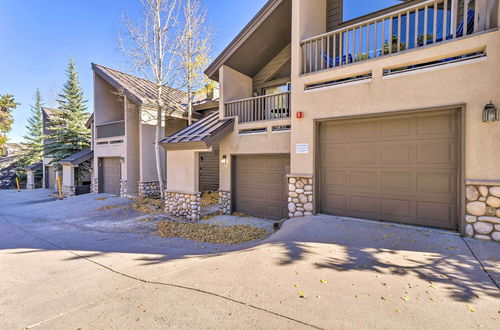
473	84
183	171
107	101
234	85
68	179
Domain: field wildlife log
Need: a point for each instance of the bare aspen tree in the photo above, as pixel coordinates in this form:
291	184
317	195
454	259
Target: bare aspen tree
151	46
193	48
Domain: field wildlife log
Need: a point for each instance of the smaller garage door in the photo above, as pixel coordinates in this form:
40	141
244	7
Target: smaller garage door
109	175
209	170
261	185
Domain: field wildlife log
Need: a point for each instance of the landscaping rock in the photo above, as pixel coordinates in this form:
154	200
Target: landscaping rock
483	191
493	220
495	191
496	236
469	231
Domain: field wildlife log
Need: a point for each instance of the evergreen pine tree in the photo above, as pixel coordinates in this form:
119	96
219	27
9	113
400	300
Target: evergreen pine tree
68	123
33	140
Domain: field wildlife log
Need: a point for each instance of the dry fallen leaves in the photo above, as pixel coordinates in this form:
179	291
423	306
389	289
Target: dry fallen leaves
209	233
405	298
384	298
470	308
301	294
210	198
323	281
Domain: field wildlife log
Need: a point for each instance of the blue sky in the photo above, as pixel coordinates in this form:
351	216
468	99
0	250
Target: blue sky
39	36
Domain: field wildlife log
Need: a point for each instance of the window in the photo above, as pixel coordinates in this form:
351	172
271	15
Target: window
357	8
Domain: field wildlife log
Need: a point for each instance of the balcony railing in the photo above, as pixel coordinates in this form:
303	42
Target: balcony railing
423	24
267	107
108	130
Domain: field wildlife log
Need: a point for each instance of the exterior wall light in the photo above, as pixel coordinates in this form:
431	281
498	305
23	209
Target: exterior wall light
490	113
122	159
224	160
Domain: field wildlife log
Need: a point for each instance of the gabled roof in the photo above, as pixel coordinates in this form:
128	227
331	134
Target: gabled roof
141	91
261	39
34	167
202	135
49	112
89	122
78	158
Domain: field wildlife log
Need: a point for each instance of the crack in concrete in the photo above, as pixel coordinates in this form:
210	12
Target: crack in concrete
143	281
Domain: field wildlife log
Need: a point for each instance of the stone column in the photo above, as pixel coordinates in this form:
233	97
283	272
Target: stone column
300	196
482	220
225	206
183	205
68	185
30	183
94	186
123	188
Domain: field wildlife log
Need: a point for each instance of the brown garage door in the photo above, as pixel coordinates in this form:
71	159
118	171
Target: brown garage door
261	185
399	168
109	175
209	170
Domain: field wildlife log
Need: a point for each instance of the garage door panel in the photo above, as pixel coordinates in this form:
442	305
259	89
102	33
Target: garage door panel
397	153
443	125
360	154
363	130
110	175
396	208
437	183
396	128
397	181
402	168
436	152
265	194
363	179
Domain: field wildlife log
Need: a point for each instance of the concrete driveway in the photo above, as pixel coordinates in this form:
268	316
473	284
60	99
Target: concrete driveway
65	264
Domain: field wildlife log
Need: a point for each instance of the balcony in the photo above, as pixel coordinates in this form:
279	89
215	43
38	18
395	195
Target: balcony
109	130
427	23
267	107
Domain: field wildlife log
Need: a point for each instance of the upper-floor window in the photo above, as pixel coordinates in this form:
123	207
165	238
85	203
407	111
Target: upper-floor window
357	8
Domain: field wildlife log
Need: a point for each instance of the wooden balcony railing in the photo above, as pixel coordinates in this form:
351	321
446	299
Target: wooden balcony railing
267	107
419	25
108	130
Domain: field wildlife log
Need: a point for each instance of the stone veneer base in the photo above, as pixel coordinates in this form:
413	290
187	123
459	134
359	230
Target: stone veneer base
183	205
30	186
94	186
300	196
149	189
68	191
123	188
483	212
225	202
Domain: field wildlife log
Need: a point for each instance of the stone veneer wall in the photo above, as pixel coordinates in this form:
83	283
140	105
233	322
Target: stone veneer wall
183	205
150	189
68	191
483	212
30	186
225	202
300	196
123	188
94	186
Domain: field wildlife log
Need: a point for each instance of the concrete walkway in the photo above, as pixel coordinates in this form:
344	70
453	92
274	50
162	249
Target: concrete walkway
65	264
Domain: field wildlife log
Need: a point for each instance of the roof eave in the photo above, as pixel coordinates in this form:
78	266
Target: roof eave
135	98
257	20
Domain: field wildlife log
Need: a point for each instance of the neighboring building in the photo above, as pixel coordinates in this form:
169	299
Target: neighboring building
124	128
383	117
12	149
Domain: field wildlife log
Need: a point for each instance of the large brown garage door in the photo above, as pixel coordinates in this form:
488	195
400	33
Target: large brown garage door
399	168
261	185
109	176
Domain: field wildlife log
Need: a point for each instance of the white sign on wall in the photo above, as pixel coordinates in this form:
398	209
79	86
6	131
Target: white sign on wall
302	148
